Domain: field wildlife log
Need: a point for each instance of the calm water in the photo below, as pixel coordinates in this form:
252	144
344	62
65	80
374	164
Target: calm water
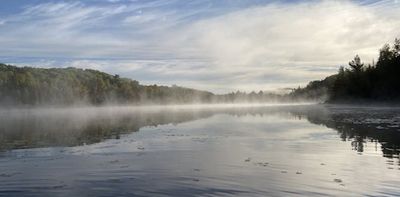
308	150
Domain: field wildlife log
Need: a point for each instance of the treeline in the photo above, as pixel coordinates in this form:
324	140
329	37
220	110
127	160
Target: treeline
361	82
54	86
358	82
67	86
318	90
252	97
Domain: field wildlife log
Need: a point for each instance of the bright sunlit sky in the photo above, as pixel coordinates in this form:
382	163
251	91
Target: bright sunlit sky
215	45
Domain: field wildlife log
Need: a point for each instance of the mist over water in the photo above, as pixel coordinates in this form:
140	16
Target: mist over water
199	98
85	125
214	150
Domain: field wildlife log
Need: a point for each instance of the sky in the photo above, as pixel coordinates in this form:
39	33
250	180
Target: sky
215	45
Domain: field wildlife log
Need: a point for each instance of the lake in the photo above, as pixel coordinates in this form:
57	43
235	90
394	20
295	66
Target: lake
201	150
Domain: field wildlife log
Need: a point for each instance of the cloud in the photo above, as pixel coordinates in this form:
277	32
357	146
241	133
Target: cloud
325	33
297	42
219	47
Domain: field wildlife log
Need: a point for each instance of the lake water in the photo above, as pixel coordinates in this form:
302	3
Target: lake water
210	150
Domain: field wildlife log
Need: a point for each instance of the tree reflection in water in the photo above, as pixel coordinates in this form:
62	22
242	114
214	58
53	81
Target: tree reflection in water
361	125
74	127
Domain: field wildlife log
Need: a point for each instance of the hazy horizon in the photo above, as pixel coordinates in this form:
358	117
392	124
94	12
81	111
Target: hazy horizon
217	46
200	98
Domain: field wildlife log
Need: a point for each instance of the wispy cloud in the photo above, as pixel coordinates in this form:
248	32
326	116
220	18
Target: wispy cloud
219	46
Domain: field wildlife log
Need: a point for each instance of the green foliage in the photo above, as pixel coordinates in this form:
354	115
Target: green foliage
378	81
65	86
314	91
359	83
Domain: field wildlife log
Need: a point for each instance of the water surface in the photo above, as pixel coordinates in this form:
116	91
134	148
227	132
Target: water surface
224	150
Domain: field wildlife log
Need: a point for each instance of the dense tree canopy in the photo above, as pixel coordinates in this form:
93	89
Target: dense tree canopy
378	81
35	86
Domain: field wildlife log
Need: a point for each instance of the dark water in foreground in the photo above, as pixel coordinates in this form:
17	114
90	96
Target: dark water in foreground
309	150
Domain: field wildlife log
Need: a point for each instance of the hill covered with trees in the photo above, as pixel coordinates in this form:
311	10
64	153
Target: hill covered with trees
54	86
360	82
378	81
67	86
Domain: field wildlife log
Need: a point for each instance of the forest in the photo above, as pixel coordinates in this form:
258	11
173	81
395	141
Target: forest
65	86
360	82
68	86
